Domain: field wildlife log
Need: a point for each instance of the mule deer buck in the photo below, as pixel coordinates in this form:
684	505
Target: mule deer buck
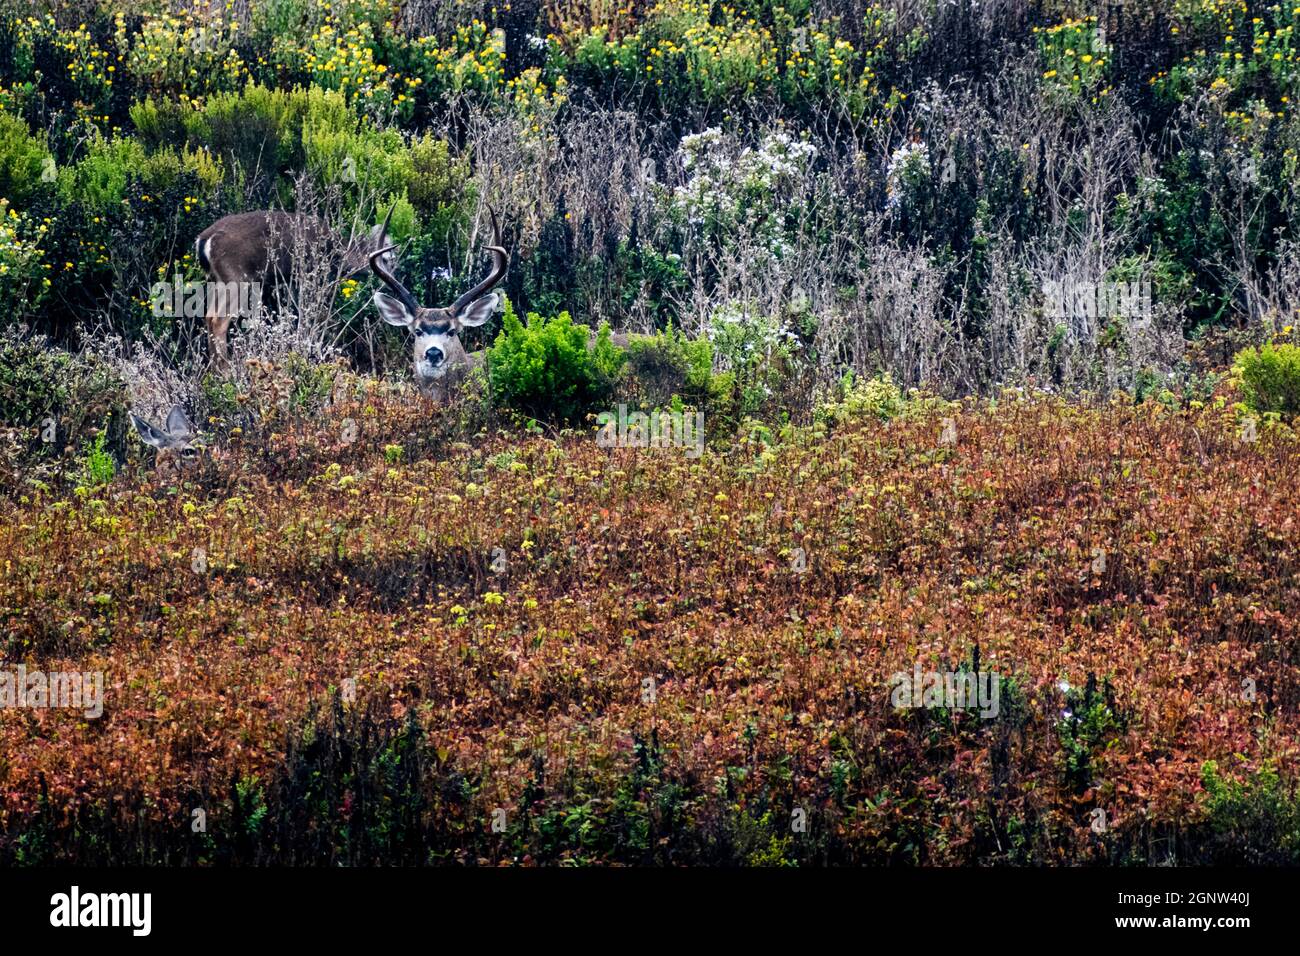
440	359
262	247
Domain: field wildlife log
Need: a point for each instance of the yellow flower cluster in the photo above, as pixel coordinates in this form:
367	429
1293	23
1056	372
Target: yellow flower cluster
89	68
1239	46
722	52
185	53
20	251
1075	57
475	59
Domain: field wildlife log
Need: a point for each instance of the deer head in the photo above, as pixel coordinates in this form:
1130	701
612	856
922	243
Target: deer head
177	442
437	349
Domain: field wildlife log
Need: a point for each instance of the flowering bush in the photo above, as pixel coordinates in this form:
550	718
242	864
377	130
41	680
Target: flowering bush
1075	57
183	54
733	191
24	275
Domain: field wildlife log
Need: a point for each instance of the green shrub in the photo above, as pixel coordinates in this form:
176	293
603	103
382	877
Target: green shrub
310	383
58	398
1270	378
97	468
100	179
549	368
124	219
669	364
340	148
1255	822
1088	724
438	188
263	135
22	160
255	133
877	398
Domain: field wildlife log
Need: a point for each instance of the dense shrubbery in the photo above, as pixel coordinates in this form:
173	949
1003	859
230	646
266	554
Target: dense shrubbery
827	167
772	685
1270	378
545	368
825	221
669	364
60	400
877	398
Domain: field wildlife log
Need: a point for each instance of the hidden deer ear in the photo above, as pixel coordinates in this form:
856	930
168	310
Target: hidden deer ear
393	311
148	434
178	425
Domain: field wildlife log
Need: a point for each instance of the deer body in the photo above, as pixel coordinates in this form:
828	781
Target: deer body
262	247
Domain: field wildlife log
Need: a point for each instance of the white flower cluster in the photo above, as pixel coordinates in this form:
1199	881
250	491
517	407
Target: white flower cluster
732	190
909	162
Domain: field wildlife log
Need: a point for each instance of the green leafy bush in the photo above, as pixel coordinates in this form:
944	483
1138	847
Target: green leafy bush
100	179
1089	721
438	188
256	133
877	398
667	364
97	467
23	160
59	398
549	369
1255	822
1270	378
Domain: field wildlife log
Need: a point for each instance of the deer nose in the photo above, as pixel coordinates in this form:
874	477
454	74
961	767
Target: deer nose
433	355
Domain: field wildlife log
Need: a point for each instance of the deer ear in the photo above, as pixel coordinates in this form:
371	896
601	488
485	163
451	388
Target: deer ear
148	434
392	310
178	426
479	311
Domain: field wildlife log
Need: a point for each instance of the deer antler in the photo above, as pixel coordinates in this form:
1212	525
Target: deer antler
402	293
499	263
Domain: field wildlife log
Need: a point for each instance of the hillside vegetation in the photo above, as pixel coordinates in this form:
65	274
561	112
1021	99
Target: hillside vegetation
623	650
986	312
